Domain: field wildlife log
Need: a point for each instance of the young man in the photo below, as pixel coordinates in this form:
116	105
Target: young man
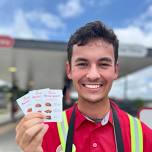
95	123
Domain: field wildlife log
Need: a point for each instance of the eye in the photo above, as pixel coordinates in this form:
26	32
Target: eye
82	64
104	65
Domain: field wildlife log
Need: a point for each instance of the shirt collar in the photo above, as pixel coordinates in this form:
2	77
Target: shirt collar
80	118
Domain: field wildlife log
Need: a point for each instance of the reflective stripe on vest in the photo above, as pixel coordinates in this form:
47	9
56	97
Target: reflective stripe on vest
136	134
63	130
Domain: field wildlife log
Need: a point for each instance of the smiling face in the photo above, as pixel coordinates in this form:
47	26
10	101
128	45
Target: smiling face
92	70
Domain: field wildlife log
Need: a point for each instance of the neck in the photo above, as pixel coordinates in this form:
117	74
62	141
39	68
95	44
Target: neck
94	109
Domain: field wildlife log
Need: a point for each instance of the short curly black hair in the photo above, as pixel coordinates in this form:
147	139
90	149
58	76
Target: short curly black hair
91	31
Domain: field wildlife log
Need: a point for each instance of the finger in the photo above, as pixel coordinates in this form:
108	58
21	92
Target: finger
29	135
21	127
39	149
37	140
28	124
28	117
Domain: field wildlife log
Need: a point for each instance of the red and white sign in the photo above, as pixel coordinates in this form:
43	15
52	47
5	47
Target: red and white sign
145	115
6	42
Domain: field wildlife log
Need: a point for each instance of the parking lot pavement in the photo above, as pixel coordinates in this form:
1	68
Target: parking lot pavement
7	131
7	138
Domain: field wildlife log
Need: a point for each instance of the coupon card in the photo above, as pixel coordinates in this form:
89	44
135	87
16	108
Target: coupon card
36	97
47	101
25	104
53	105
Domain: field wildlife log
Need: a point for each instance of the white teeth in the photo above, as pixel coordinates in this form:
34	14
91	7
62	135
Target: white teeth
92	86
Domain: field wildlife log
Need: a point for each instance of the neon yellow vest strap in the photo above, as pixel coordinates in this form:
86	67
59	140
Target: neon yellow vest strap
63	130
136	134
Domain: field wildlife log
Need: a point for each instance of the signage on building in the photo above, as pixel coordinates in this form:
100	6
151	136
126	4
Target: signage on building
6	42
145	116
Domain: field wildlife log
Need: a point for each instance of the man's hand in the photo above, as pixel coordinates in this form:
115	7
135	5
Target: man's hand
30	132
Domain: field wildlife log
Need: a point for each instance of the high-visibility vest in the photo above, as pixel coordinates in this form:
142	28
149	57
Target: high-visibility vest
135	132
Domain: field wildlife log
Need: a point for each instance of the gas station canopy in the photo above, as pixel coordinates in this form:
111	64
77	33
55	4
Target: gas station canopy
41	63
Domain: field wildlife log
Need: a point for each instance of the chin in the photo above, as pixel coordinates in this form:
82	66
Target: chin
92	99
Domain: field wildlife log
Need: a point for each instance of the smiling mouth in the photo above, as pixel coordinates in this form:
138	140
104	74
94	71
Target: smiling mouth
92	86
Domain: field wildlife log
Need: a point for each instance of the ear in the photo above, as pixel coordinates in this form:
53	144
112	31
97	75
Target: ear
116	71
68	70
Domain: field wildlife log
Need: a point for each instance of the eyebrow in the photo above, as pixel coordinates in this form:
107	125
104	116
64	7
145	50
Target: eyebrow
105	59
81	60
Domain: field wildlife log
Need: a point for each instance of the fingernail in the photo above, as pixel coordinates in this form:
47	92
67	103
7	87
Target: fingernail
45	125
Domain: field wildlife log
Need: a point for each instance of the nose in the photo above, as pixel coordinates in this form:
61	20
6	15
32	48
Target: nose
93	73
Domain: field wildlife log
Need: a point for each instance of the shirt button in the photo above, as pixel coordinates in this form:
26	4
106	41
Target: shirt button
94	145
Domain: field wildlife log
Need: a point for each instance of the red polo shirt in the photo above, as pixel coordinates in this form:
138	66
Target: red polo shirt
95	137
